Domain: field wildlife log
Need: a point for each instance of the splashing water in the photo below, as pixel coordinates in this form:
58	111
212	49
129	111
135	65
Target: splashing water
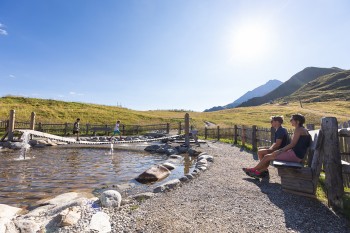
111	150
25	145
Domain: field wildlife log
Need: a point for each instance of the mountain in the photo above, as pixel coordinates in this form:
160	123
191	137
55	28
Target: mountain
259	91
335	86
290	86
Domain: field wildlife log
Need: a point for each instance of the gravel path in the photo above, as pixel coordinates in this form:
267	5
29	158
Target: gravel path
224	199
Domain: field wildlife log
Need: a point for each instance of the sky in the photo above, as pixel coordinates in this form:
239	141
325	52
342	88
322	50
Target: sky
164	54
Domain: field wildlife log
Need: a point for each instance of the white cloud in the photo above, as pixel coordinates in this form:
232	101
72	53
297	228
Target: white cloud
2	31
75	93
60	96
12	76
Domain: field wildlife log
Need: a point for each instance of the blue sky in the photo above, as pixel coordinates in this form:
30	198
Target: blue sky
179	54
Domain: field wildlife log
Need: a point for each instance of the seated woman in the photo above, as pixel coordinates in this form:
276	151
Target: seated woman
293	152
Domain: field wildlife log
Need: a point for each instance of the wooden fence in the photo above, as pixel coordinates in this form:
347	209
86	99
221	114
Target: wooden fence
88	129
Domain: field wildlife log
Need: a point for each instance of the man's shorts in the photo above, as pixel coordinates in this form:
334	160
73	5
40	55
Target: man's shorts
116	132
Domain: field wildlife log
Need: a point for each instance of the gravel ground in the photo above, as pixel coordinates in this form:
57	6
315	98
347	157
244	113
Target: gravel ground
224	199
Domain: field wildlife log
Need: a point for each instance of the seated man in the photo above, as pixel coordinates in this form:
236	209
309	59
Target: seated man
281	139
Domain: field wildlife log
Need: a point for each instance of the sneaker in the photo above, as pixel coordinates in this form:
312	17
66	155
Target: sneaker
255	174
247	170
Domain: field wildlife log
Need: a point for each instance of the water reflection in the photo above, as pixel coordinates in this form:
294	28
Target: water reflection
59	170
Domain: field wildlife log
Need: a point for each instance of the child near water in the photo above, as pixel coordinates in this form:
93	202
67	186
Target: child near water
116	130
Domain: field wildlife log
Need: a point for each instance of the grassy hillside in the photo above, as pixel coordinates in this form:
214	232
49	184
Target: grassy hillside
51	111
334	86
292	85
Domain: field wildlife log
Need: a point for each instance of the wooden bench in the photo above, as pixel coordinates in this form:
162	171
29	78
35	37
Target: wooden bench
302	178
107	130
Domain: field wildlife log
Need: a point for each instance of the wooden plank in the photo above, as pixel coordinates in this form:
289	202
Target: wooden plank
346	168
302	173
332	161
298	184
299	193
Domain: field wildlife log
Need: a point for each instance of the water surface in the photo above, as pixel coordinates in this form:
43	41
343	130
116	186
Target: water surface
51	171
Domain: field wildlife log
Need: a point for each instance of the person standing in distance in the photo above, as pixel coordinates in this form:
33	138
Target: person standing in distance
76	128
117	131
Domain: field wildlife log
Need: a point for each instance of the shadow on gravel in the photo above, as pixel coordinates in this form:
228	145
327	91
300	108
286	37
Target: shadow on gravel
302	214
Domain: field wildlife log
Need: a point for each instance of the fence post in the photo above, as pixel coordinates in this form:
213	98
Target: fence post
65	128
235	134
32	121
332	162
11	125
205	133
167	128
187	129
40	127
254	139
218	132
243	135
106	132
310	126
273	130
179	128
123	129
87	129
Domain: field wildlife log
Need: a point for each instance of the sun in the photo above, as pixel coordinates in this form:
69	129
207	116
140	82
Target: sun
251	42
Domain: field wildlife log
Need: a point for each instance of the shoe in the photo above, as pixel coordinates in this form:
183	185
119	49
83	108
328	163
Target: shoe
265	173
255	174
247	170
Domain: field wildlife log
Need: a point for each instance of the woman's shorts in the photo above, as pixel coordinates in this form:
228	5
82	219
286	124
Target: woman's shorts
289	156
116	132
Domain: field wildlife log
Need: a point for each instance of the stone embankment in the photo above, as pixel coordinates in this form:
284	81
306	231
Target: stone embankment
217	198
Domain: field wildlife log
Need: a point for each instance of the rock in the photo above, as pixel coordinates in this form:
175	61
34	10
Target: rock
7	211
181	149
207	157
142	196
184	179
16	145
27	226
152	148
171	151
192	152
167	186
202	153
124	187
70	216
6	214
189	176
202	162
33	142
100	222
170	166
175	156
155	173
110	198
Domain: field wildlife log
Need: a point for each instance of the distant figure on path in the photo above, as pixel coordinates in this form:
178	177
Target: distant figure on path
116	130
281	139
293	152
76	128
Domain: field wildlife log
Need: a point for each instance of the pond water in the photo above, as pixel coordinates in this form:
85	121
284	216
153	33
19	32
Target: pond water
51	171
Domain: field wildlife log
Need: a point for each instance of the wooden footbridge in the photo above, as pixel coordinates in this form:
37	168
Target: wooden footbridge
74	141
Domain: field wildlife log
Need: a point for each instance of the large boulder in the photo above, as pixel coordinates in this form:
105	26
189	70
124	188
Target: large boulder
100	223
111	198
155	173
152	148
6	214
